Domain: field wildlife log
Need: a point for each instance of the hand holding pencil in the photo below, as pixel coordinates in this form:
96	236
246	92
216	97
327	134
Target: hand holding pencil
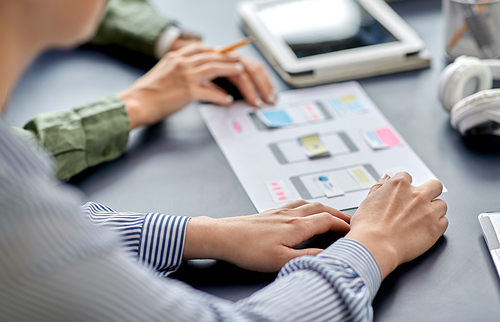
254	83
185	75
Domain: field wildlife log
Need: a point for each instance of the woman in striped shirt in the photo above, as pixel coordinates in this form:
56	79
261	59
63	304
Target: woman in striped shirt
55	265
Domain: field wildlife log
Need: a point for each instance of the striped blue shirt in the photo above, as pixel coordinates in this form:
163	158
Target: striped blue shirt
55	265
152	238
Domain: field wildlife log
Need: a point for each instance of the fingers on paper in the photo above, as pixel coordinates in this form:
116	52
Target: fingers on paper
259	77
244	84
316	208
213	95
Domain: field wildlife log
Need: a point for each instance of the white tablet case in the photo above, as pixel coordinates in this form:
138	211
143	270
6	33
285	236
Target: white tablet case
405	54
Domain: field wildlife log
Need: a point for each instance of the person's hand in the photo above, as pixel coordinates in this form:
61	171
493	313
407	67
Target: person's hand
254	83
185	75
262	242
180	77
398	222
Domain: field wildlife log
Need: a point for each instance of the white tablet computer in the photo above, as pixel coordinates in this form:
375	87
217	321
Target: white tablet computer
311	42
490	224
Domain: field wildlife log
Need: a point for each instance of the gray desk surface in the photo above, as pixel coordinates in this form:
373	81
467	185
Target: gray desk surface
175	167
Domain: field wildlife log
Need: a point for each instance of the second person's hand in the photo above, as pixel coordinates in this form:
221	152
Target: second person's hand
185	75
179	78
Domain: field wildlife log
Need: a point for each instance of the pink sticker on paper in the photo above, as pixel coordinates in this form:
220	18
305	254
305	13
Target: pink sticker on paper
311	112
279	192
237	126
387	136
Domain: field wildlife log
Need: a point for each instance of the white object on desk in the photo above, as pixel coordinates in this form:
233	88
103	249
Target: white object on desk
490	224
262	155
312	42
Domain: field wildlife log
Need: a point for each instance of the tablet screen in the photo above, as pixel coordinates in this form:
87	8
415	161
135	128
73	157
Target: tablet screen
314	27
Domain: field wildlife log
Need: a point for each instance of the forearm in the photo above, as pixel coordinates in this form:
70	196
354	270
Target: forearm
82	137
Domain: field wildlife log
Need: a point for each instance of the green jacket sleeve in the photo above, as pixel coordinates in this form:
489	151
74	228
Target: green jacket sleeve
98	132
82	137
132	24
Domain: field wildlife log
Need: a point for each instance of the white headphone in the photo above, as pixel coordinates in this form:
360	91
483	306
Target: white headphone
465	91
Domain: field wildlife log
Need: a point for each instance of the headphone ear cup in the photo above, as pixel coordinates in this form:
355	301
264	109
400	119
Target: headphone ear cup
456	76
470	111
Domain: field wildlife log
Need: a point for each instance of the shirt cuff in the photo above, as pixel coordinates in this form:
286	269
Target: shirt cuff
135	25
166	40
162	241
84	136
106	127
155	239
357	257
345	255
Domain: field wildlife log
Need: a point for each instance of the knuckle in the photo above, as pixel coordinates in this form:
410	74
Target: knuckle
254	69
375	186
445	224
326	215
419	195
399	180
245	78
317	204
210	65
298	203
290	204
179	61
295	221
183	64
282	211
171	55
441	205
435	181
438	184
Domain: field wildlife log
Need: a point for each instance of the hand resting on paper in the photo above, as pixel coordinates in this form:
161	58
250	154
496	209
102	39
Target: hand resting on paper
398	222
185	75
263	242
